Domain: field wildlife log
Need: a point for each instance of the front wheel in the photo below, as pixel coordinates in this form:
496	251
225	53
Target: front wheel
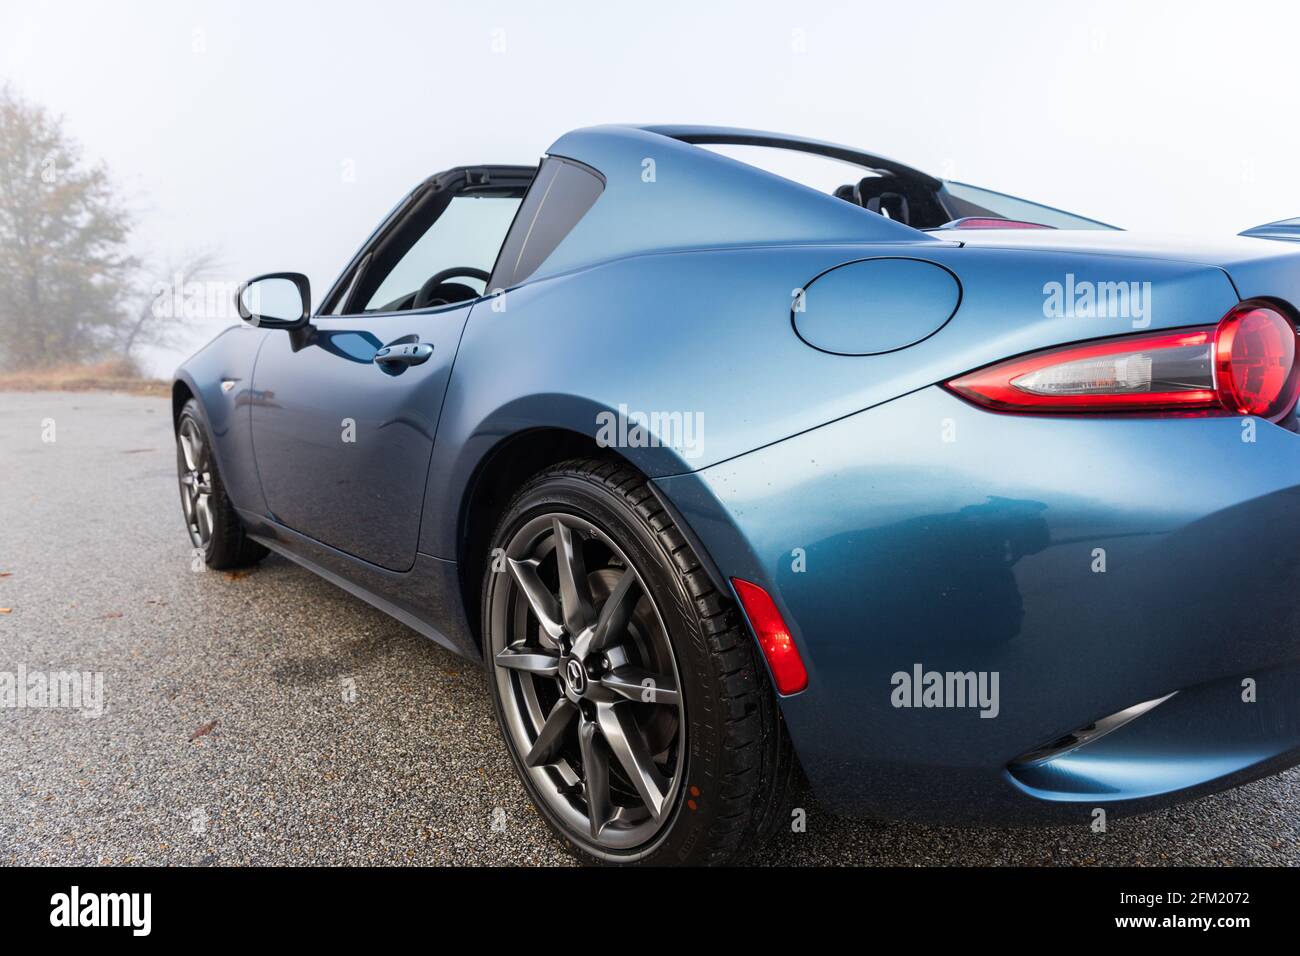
629	694
210	518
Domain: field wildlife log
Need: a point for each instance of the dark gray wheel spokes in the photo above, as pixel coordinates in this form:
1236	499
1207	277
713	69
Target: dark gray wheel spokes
195	468
589	681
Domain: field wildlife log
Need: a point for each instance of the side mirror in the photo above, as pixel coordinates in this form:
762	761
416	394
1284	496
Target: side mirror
279	300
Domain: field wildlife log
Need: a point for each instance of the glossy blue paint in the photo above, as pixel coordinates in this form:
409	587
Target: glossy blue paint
961	540
229	357
934	533
342	446
708	333
1203	733
876	305
425	598
665	195
1259	267
1288	229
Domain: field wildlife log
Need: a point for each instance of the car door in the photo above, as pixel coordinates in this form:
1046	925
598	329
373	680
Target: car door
346	410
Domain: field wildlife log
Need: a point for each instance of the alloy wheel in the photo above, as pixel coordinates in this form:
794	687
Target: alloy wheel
588	681
194	467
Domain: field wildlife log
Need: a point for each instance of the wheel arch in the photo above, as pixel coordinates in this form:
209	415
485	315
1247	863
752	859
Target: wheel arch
500	474
506	469
181	393
205	378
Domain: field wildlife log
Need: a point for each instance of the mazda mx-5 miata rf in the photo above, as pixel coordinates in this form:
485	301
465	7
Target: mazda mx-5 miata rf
958	506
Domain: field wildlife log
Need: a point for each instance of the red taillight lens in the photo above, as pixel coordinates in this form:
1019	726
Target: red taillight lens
773	637
1254	355
1246	365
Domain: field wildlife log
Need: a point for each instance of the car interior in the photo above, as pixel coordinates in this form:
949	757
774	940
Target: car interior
439	247
919	201
900	198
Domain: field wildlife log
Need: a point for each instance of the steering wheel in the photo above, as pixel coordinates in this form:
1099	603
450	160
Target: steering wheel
426	297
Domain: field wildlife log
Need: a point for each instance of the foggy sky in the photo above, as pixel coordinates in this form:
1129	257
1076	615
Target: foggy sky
277	134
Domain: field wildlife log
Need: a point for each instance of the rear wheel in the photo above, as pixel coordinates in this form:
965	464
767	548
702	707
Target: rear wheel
630	696
210	518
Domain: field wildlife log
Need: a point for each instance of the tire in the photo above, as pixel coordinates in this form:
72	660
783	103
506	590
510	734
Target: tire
722	768
210	517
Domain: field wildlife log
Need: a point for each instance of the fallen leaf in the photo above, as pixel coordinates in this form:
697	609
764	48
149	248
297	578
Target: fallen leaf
109	616
6	574
204	730
236	575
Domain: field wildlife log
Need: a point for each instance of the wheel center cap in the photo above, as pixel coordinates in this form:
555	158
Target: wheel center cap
575	677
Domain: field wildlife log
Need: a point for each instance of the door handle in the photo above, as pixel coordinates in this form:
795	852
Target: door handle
400	356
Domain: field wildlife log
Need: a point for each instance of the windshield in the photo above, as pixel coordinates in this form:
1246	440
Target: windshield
896	191
963	200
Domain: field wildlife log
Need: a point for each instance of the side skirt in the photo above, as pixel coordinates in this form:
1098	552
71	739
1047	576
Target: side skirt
425	599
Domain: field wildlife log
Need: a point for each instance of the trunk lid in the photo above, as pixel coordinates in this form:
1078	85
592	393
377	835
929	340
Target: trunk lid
1259	266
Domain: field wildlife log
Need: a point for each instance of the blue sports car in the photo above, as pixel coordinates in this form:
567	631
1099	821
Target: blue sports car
960	507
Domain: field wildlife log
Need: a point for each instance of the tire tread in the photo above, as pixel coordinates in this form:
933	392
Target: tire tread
760	773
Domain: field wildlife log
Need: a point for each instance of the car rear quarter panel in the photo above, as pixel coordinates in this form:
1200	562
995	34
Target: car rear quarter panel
709	334
935	533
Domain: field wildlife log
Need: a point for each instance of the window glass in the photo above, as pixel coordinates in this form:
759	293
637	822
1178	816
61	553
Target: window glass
340	301
560	196
467	234
822	173
966	200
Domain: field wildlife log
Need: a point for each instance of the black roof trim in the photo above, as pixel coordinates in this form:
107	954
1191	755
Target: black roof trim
726	136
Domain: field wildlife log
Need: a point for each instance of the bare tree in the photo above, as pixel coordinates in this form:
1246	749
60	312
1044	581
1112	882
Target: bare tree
64	268
154	322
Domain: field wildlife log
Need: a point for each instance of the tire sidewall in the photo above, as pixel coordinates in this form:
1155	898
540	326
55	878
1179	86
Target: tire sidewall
691	816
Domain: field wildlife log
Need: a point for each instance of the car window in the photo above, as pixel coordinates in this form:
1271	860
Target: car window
345	292
822	173
560	196
468	234
963	200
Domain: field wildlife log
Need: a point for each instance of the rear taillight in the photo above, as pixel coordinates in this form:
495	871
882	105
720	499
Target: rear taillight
1254	356
1246	365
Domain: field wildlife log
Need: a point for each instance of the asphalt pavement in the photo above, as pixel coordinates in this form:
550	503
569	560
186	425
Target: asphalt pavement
267	717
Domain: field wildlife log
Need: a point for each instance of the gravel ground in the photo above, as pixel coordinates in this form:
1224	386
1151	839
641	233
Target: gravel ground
226	737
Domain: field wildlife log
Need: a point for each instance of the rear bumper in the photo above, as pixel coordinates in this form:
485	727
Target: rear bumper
927	533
